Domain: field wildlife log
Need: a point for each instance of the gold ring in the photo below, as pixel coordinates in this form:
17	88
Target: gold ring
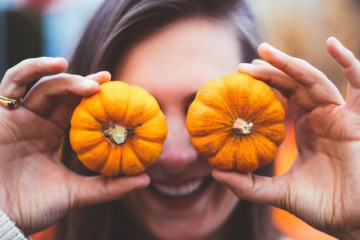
10	103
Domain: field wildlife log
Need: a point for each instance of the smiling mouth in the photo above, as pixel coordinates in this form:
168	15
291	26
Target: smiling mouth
180	191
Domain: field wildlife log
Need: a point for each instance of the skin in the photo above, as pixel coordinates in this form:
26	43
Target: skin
321	187
186	62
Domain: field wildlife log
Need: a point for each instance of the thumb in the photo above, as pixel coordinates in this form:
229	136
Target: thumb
254	188
100	189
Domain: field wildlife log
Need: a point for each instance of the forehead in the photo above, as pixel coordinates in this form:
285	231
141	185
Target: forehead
193	49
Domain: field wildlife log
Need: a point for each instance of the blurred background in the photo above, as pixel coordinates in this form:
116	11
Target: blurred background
32	28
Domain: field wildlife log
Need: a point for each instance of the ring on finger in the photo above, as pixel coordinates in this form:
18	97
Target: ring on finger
10	103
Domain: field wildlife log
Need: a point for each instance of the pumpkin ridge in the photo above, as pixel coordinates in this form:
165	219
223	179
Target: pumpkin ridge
222	145
276	140
102	169
215	105
127	115
114	99
121	170
222	127
264	121
232	141
233	109
199	130
84	128
261	148
248	156
87	148
148	115
100	165
96	118
84	115
276	110
154	120
137	154
227	112
133	165
210	101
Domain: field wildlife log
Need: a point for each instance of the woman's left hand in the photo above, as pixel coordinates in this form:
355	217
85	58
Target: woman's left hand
323	185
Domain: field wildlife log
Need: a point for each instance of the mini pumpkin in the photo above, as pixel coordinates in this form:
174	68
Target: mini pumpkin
236	122
118	130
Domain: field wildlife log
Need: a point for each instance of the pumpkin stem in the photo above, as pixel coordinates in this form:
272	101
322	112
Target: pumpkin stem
116	134
243	126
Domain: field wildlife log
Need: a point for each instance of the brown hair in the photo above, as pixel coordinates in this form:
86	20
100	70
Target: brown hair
114	27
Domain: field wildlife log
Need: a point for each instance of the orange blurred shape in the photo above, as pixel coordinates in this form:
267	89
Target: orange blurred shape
47	234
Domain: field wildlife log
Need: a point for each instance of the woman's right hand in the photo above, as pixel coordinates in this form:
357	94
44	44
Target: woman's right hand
36	188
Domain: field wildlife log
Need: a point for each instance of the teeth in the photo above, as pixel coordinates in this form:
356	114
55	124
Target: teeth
179	190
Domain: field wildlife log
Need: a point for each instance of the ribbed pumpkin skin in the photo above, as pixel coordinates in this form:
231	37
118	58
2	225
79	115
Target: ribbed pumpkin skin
211	116
118	103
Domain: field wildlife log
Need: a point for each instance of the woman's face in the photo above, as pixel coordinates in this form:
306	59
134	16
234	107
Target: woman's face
183	201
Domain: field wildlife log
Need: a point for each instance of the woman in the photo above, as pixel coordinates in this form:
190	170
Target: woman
145	44
171	48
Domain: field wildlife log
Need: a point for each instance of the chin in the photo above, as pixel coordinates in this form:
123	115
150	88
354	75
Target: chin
183	233
193	209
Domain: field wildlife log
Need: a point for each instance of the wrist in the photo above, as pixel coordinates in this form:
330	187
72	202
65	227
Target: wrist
8	229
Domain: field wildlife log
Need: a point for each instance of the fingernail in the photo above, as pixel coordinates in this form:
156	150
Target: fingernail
103	72
88	83
335	41
108	74
246	66
57	59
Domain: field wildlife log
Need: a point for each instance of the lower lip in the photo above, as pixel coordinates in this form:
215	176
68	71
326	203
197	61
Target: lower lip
181	202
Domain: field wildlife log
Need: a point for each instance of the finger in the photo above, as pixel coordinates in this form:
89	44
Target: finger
346	59
61	112
100	77
18	77
288	87
41	97
254	188
99	189
55	97
298	69
271	75
315	88
351	68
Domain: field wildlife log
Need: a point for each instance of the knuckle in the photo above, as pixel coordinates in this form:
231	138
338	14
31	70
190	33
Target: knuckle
12	79
11	73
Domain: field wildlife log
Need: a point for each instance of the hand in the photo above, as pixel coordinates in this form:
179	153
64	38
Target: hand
323	185
36	188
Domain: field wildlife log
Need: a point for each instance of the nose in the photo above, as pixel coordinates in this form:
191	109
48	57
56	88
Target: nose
177	149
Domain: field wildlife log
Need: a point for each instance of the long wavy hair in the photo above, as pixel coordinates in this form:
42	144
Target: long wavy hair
116	26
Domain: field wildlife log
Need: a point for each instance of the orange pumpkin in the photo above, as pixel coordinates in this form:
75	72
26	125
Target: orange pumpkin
119	130
236	122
